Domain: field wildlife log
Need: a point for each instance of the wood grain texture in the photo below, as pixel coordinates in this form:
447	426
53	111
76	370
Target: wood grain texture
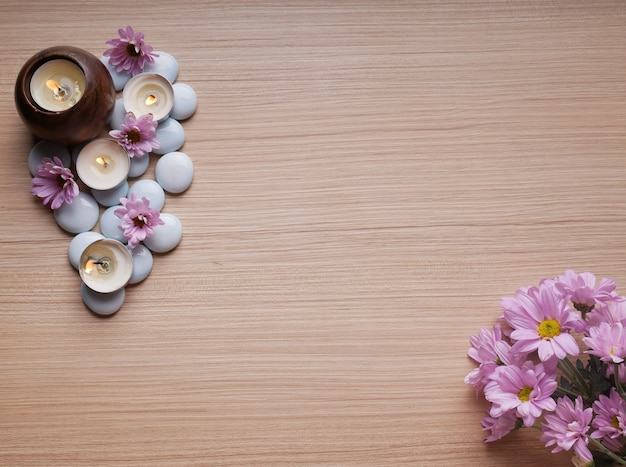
370	179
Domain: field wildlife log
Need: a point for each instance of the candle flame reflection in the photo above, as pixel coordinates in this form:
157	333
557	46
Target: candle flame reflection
151	99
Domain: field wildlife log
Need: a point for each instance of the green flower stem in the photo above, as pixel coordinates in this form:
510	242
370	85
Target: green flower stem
574	375
605	450
567	391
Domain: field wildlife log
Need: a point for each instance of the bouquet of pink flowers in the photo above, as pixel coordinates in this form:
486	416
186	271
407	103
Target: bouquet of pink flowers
555	361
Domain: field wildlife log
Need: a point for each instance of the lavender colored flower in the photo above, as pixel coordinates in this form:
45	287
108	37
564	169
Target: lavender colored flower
138	219
541	321
607	341
129	53
526	389
54	183
567	428
137	135
500	426
611	312
610	419
582	291
489	350
538	325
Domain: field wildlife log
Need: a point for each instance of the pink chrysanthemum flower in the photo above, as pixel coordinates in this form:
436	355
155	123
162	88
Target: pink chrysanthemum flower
541	320
129	53
500	426
607	341
527	390
138	219
54	183
567	428
610	419
489	350
611	312
582	291
137	135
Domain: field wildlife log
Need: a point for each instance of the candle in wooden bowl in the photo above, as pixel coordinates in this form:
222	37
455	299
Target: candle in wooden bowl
64	94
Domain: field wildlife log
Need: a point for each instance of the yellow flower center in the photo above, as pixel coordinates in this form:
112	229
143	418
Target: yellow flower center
615	422
524	393
549	328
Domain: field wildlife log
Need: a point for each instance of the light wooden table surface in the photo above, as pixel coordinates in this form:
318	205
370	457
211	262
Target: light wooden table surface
370	179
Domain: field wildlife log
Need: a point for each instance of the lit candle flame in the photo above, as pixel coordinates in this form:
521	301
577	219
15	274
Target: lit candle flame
102	161
151	99
57	90
89	265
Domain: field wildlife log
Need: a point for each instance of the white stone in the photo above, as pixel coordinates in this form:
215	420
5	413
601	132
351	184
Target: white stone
171	136
185	101
165	237
149	189
79	216
174	172
103	304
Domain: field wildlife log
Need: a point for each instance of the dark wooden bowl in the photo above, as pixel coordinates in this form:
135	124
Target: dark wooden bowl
80	122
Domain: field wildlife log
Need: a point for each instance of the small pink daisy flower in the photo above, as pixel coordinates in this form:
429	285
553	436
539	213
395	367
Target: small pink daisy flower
489	350
611	312
500	426
138	219
607	341
610	419
137	135
129	53
54	183
541	321
582	291
527	390
567	428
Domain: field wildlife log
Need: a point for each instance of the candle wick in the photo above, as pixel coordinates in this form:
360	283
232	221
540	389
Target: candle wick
59	91
105	265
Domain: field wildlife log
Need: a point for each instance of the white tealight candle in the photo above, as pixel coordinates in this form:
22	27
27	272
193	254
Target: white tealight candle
57	85
102	164
149	93
105	265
